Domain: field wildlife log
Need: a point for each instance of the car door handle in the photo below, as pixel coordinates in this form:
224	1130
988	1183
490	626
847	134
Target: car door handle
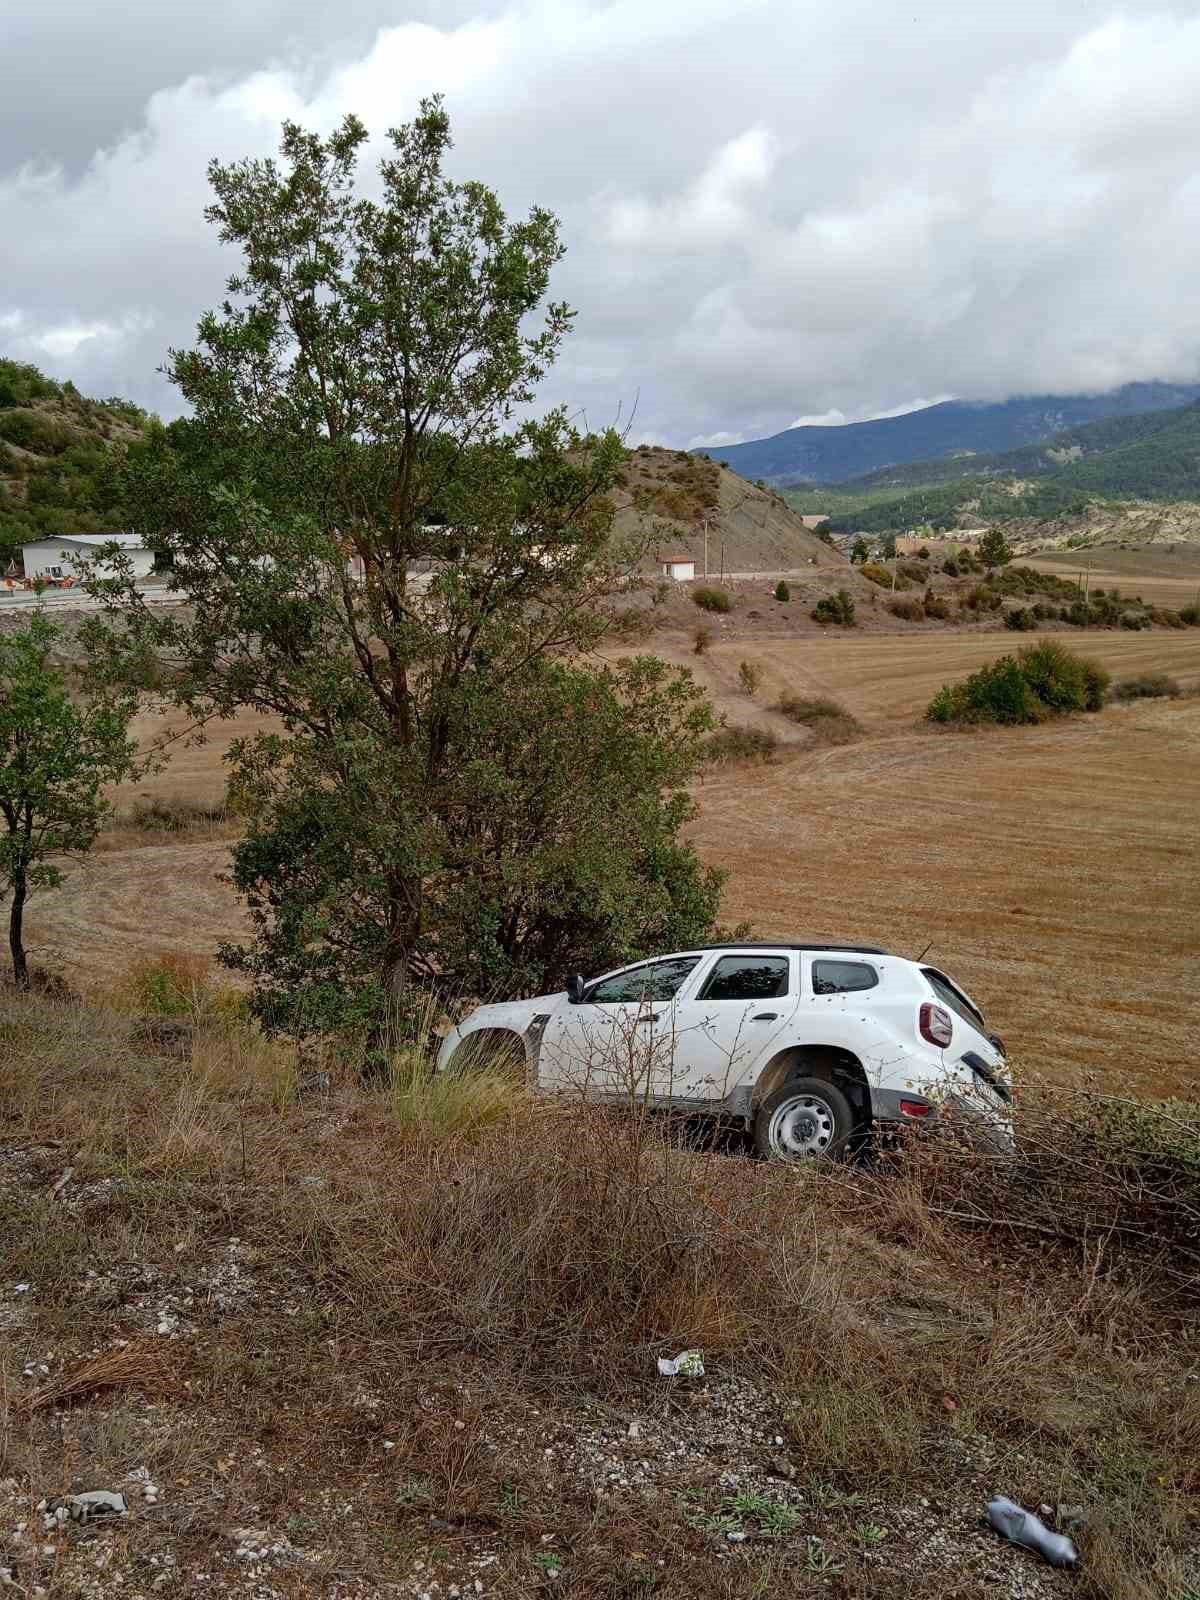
766	1016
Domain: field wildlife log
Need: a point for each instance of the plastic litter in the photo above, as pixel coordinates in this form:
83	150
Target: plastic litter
84	1507
687	1364
1024	1528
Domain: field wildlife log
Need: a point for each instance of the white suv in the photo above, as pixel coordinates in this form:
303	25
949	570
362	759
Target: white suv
809	1045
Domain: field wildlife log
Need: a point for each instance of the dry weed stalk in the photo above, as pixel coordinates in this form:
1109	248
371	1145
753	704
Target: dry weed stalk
151	1365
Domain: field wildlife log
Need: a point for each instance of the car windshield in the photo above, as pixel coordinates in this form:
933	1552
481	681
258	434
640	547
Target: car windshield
952	996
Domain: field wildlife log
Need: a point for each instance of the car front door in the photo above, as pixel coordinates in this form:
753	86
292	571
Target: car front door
607	1045
723	1025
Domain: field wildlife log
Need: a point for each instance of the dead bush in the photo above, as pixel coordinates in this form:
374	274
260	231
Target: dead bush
908	610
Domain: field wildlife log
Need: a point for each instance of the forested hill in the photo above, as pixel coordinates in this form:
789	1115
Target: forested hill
834	454
57	454
1153	457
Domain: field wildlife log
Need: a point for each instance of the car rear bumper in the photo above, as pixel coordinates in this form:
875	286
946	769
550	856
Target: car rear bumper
982	1113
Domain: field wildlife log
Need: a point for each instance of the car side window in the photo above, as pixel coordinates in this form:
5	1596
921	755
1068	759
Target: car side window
747	977
658	980
842	977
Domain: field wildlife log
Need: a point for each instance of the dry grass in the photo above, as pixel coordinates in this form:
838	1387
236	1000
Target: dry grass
151	1366
494	1284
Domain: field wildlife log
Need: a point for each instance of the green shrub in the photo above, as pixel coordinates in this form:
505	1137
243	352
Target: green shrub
830	723
877	574
1044	680
1020	619
1146	686
1135	621
998	692
909	610
782	592
730	745
836	608
1190	616
950	567
982	598
32	430
910	570
1062	680
711	599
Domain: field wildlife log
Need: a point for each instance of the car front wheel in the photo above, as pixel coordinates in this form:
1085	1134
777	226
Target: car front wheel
806	1119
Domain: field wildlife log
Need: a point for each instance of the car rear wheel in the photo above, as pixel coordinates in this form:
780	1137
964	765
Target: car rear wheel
805	1120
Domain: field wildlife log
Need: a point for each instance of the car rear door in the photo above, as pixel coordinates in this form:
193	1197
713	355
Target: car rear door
723	1023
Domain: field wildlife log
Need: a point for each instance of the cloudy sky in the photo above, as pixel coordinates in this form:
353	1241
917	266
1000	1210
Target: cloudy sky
775	209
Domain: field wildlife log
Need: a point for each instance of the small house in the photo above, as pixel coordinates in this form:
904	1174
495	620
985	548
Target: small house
682	569
62	557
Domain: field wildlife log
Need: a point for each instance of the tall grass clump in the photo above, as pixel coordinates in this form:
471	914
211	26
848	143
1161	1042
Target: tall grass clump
1043	680
731	746
1146	686
829	722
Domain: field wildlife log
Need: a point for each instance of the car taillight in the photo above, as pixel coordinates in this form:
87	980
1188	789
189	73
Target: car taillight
915	1108
935	1025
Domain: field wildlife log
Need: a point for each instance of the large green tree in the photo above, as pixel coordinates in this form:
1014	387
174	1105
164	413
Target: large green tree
386	554
58	749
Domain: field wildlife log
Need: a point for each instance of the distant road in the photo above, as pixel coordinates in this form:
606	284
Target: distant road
76	600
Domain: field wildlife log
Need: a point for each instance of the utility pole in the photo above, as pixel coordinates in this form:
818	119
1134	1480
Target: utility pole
706	547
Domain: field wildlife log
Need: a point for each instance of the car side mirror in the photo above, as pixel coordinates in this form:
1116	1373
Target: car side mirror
576	986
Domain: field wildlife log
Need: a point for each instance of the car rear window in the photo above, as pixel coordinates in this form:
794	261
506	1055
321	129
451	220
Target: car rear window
842	977
747	977
953	997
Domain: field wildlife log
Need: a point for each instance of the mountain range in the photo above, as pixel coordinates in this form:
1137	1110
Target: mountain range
1153	456
834	454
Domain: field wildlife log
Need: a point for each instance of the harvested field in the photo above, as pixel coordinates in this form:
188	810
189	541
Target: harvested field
1053	871
1043	864
886	679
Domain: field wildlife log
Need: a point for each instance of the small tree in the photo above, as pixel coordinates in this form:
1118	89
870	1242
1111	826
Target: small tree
993	549
860	550
782	592
749	676
384	552
837	608
887	547
56	755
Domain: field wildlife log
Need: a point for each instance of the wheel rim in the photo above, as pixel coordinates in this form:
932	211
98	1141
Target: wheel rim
802	1127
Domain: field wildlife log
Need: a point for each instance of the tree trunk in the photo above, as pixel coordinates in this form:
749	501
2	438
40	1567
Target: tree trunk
16	917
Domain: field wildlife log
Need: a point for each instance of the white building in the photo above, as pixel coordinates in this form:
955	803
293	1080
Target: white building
680	568
62	557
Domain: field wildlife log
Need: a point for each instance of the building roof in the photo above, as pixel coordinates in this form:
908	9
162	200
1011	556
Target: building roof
677	561
127	541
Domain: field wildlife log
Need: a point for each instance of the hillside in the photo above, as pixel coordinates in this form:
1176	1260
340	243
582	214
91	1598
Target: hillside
749	529
1053	457
1154	457
56	455
832	455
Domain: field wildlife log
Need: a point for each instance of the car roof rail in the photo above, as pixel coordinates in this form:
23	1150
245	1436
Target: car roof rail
791	944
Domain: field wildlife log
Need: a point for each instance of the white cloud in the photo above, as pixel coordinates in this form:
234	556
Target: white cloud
772	208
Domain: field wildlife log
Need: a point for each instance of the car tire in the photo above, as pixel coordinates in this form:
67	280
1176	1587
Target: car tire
807	1119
